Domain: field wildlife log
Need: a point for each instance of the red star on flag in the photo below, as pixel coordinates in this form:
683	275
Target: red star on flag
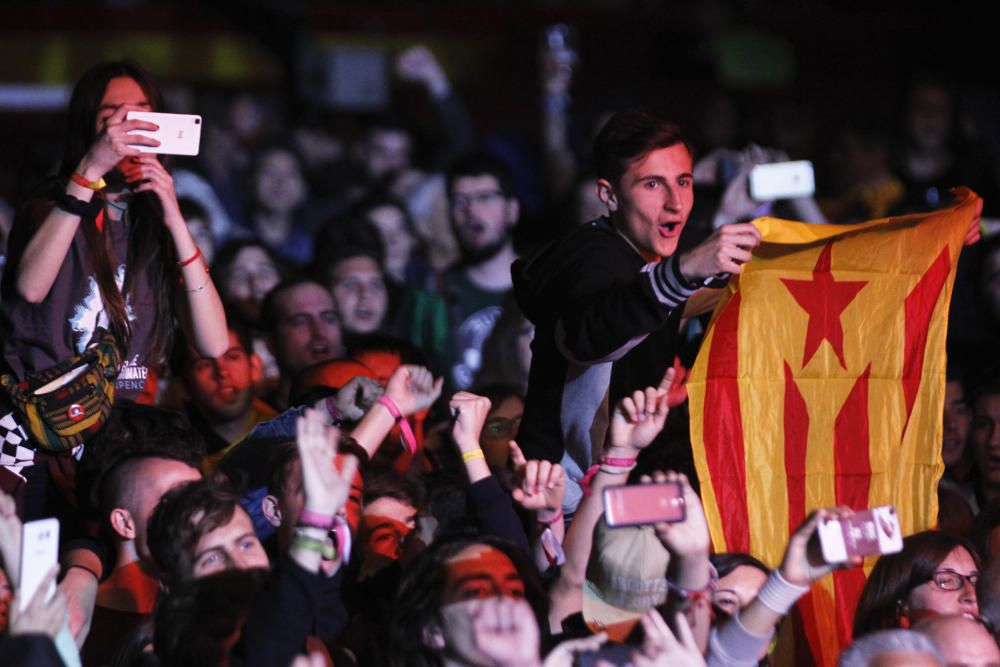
824	299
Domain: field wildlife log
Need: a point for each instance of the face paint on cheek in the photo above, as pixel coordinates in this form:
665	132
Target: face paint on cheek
488	574
383	535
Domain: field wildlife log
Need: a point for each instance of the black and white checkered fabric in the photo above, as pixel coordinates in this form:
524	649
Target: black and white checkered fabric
16	450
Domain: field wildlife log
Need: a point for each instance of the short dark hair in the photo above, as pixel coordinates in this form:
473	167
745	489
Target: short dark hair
279	465
628	136
896	575
184	514
725	563
191	208
269	315
330	258
481	164
180	360
133	431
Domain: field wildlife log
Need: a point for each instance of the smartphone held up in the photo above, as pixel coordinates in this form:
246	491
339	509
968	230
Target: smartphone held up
868	532
642	504
178	134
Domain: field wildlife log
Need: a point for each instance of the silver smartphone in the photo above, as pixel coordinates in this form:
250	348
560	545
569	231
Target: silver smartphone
782	180
39	552
179	134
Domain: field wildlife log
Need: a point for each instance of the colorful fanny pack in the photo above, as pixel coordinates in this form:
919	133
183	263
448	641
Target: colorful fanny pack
63	406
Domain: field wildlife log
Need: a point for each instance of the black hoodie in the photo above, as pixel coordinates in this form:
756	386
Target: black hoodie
605	325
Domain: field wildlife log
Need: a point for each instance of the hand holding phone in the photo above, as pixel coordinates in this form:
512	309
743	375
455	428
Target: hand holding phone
178	134
782	180
865	533
642	504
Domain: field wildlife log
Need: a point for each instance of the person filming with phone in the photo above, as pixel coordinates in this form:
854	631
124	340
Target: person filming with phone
101	267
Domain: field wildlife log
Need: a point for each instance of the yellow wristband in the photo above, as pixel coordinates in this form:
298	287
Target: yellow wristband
82	181
473	455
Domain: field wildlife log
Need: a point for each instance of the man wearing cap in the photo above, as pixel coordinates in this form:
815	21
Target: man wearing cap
607	299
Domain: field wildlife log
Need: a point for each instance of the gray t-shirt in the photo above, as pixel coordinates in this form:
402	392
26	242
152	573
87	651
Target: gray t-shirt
39	336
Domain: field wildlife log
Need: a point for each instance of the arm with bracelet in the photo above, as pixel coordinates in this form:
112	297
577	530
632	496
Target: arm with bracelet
635	423
326	490
488	501
690	576
540	488
409	390
748	633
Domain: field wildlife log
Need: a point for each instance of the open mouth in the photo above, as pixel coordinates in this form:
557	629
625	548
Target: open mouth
319	349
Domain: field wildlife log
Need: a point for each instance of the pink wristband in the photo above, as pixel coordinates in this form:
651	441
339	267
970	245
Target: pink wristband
405	432
314	520
558	515
617	462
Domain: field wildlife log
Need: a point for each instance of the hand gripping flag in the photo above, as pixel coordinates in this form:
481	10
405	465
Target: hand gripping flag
820	383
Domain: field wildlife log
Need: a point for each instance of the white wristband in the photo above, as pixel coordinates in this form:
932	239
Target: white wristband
778	595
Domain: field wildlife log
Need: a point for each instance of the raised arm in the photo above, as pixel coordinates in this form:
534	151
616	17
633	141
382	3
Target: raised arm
47	248
326	488
540	488
410	389
202	314
748	632
636	421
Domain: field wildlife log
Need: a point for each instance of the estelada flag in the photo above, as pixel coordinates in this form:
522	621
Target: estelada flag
820	383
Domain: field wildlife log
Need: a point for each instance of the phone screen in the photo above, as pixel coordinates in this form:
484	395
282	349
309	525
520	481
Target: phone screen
39	552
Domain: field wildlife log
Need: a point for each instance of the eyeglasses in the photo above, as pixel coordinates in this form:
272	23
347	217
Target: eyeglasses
949	580
481	198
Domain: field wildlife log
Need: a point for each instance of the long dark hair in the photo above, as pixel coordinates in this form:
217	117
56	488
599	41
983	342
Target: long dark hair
896	575
152	250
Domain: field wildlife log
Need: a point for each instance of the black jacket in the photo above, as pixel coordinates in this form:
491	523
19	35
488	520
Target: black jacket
605	325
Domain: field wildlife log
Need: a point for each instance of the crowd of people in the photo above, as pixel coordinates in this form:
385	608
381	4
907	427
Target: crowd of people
342	410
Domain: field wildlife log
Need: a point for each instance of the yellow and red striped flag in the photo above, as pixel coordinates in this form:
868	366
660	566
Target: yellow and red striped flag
820	383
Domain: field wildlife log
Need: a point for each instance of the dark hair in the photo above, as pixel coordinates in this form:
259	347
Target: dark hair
269	315
174	530
330	253
725	563
380	198
195	623
481	164
226	256
150	247
180	355
191	208
391	485
133	431
896	575
274	144
419	599
982	528
628	136
280	464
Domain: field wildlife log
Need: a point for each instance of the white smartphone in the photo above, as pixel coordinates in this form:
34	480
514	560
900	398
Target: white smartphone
179	134
39	552
865	533
782	180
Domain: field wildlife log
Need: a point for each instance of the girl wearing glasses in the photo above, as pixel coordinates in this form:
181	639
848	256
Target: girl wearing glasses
935	573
